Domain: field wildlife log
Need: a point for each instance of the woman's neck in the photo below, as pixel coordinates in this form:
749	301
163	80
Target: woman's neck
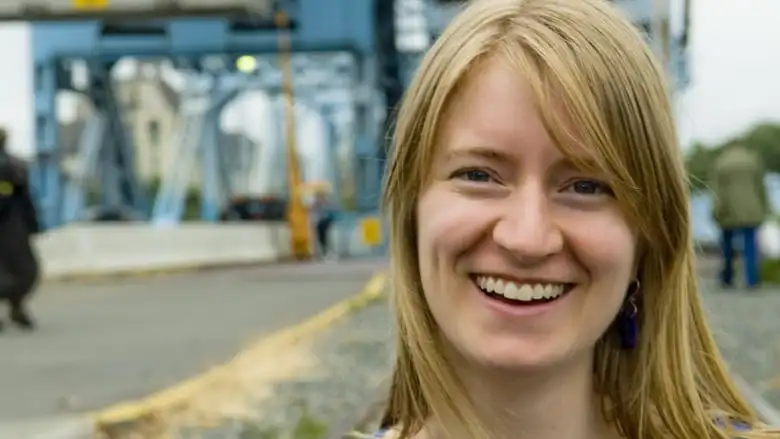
560	404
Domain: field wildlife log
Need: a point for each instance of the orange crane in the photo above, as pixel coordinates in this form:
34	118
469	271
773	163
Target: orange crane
297	212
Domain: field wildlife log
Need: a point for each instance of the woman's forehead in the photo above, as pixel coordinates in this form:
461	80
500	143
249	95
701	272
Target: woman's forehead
496	111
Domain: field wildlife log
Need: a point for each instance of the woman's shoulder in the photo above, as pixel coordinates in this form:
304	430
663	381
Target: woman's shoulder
386	433
737	428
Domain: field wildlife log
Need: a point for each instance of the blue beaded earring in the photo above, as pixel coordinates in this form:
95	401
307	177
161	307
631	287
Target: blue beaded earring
629	329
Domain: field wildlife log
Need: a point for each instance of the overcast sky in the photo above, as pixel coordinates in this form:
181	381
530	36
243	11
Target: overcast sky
736	69
736	72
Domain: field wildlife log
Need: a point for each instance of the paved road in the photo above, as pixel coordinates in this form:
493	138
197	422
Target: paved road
102	342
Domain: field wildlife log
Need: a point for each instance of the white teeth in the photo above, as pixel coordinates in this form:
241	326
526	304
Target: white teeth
520	292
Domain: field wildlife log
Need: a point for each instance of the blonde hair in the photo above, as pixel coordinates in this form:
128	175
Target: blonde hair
585	57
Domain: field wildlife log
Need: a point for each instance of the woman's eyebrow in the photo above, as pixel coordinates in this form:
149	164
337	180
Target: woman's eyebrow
483	152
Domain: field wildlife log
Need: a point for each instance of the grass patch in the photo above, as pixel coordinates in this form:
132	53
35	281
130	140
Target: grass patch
770	271
307	427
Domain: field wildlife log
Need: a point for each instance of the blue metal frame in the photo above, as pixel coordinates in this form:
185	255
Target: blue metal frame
342	25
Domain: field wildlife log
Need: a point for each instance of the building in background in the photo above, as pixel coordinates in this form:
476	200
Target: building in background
150	107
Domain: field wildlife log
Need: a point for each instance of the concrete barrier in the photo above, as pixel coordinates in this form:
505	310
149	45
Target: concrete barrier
106	249
99	249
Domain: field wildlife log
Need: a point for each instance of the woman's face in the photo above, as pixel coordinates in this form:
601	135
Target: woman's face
525	259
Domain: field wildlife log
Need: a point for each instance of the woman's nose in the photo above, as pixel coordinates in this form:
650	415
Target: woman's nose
527	228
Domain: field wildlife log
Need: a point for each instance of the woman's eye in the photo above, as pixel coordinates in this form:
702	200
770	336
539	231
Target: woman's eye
590	187
475	175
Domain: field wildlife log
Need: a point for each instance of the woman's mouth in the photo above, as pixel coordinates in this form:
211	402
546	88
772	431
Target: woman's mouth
522	294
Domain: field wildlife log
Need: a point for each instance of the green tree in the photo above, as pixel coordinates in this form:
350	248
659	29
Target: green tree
765	139
699	162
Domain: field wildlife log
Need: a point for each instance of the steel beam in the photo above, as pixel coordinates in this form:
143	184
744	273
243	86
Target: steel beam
105	36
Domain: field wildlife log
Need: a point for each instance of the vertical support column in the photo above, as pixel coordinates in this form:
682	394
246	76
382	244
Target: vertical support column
120	188
369	165
210	164
133	194
342	230
327	112
78	184
389	70
110	182
170	202
678	50
297	213
45	172
216	182
683	54
388	78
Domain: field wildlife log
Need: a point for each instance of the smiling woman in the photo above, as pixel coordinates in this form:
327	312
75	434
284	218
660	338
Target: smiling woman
515	212
540	240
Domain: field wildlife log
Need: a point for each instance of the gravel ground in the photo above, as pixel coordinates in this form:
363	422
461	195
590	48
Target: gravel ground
746	324
352	362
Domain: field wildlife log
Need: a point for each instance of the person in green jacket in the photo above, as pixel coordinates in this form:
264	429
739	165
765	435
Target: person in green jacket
740	208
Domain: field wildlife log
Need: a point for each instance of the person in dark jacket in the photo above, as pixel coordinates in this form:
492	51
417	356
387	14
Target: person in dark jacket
19	268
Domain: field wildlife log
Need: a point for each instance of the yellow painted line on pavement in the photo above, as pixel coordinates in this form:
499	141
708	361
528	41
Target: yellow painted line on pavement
178	396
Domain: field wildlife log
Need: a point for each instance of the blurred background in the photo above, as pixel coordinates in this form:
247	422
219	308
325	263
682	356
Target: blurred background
206	174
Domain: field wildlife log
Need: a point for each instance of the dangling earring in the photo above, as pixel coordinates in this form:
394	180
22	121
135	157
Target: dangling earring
629	329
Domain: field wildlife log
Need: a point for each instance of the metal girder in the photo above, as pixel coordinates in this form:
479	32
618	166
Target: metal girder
389	70
345	25
310	72
85	163
104	154
70	10
196	143
104	36
153	48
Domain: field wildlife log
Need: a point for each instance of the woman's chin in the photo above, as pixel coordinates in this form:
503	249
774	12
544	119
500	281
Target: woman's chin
516	357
